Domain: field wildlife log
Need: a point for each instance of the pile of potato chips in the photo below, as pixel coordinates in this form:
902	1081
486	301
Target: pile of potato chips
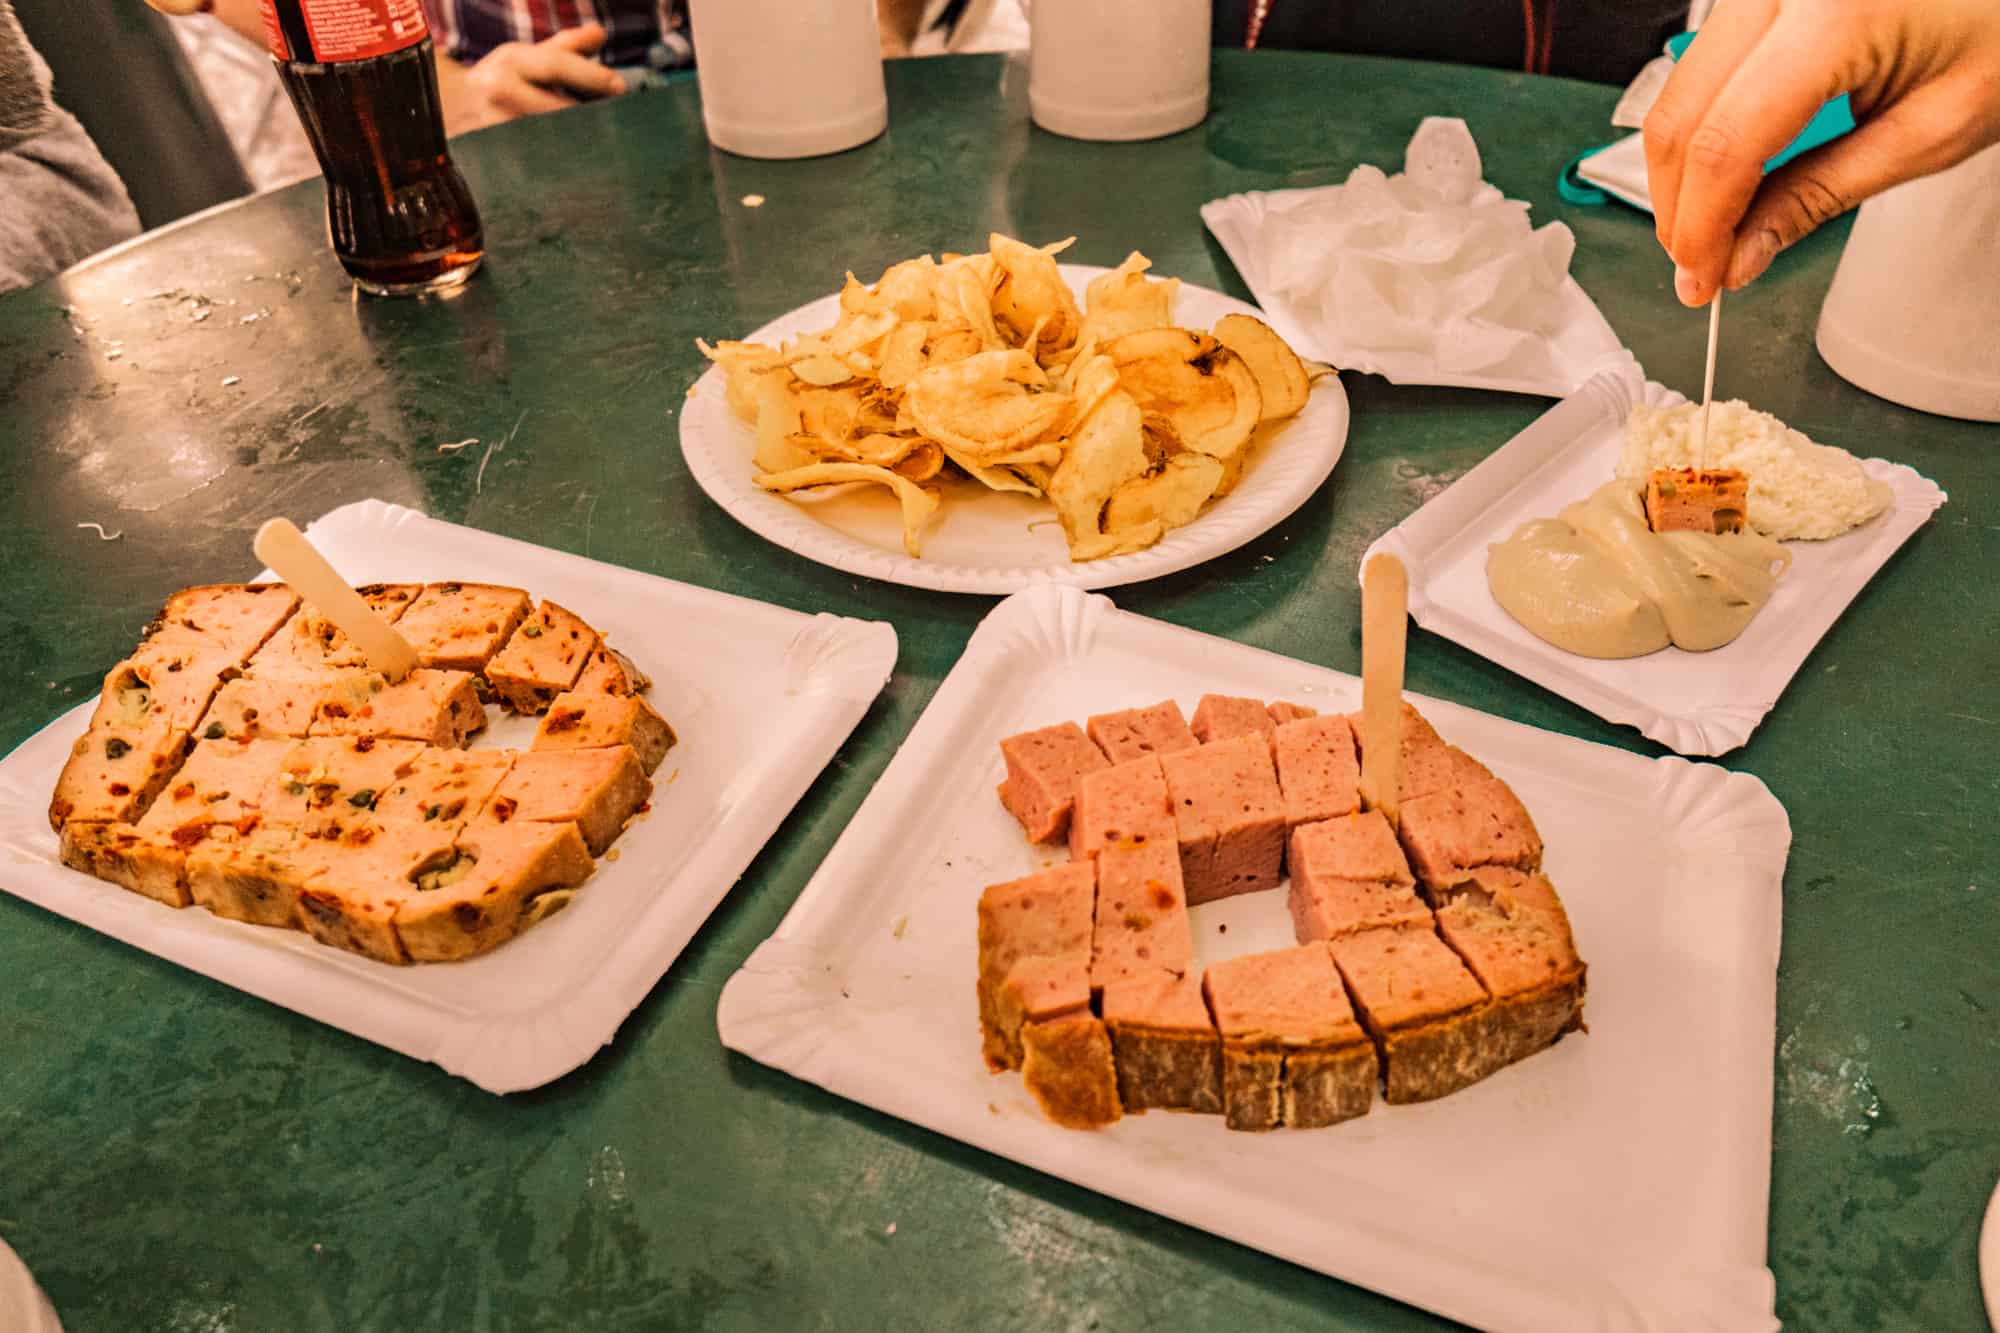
984	365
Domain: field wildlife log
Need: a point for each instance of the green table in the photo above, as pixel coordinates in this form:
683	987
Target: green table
174	1155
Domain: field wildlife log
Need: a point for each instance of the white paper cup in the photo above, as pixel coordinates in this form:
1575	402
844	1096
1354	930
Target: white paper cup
1118	69
1913	314
789	78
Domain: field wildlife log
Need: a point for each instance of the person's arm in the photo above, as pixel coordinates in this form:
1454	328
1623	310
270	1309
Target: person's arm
1923	78
513	79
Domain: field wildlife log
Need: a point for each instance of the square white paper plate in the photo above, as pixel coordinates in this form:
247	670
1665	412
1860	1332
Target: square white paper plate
1616	1182
760	697
1693	703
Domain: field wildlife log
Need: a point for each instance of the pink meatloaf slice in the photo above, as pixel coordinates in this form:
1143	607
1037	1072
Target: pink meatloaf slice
1429	765
1168	1053
1437	1029
1043	769
1067	1065
1222	717
1138	732
580	721
543	658
1041	915
229	620
1479	824
356	877
1284	711
1043	988
1141	920
1348	874
1512	932
115	770
460	626
1292	1052
1125	803
1228	816
1319	773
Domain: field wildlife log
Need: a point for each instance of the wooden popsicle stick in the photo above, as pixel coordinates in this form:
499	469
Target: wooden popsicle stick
1385	597
1708	380
285	549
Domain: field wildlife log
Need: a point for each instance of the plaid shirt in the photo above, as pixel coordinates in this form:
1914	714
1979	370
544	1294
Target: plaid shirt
465	30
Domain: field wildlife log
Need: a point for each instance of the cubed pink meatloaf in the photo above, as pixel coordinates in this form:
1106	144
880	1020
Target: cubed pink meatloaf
1348	875
1167	1050
1228	816
1479	824
1043	768
1513	934
1292	1052
1222	717
1428	1014
1138	732
1041	915
1319	774
1429	764
1142	921
1284	711
1125	803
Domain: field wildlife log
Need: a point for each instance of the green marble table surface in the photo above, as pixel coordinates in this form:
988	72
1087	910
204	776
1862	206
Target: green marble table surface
177	1156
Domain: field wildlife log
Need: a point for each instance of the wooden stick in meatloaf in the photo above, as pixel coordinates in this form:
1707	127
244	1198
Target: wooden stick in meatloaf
285	549
1385	596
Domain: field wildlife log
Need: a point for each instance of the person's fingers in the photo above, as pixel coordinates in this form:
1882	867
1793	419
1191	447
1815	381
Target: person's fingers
1794	69
1924	132
1729	34
520	97
584	39
553	67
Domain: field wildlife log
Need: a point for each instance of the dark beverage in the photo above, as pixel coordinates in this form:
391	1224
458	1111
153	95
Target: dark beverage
364	81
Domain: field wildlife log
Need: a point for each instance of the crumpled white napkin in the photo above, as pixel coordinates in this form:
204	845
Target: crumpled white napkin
1430	276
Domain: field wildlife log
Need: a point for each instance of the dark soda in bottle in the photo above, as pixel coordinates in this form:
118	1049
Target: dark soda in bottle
363	78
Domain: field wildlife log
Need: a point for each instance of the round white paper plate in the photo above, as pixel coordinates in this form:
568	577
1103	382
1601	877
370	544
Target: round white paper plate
1989	1260
984	542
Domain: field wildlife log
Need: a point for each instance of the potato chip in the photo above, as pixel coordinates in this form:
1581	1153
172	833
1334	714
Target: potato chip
924	461
1031	292
903	354
1201	387
1170	497
905	290
992	478
1126	301
987	405
741	364
778	425
1282	383
918	504
1107	450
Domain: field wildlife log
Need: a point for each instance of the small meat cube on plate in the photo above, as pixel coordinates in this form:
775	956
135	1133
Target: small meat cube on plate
609	671
1067	1065
1125	803
1041	915
1042	988
1141	920
1284	711
1043	768
1138	732
445	788
1222	717
1481	824
1228	816
1292	1052
1168	1053
114	771
1319	773
1426	1011
264	706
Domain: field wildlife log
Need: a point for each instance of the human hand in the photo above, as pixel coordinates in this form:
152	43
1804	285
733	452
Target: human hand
1922	76
527	78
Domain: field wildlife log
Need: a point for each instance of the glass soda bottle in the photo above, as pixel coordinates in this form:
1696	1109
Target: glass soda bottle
363	78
